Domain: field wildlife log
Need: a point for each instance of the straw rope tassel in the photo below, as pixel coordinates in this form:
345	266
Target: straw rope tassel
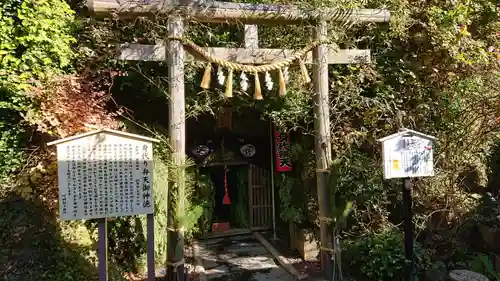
257	91
207	76
229	84
305	75
282	90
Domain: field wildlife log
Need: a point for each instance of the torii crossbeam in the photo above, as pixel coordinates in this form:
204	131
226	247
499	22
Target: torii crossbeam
181	11
217	11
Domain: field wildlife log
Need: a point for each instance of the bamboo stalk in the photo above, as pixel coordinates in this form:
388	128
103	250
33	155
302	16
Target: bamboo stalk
322	142
177	136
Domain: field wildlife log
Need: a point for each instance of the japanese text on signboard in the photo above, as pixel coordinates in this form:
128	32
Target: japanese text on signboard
105	180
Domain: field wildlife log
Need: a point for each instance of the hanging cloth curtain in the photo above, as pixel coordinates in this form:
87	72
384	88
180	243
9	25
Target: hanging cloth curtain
226	200
282	150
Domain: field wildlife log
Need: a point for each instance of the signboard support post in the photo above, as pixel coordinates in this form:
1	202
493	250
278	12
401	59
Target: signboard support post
103	249
408	228
408	154
150	226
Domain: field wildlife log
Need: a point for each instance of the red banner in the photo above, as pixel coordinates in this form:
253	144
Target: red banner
282	150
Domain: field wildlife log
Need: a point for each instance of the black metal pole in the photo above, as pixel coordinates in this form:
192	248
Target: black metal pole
150	226
103	249
408	229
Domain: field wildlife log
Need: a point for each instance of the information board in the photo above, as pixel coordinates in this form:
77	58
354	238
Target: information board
104	175
407	155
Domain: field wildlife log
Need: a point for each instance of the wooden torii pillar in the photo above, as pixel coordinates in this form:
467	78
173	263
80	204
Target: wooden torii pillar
213	11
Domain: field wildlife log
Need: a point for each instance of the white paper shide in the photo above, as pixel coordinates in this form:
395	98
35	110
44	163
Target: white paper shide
103	174
407	154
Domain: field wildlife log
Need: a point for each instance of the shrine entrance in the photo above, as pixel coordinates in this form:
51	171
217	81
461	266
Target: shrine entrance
229	200
251	60
235	151
249	203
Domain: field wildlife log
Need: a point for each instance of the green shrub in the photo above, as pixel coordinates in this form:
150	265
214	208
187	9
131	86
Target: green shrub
381	257
292	204
206	198
11	138
35	41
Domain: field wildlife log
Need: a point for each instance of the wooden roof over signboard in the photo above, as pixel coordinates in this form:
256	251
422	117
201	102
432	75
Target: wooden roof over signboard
407	132
107	131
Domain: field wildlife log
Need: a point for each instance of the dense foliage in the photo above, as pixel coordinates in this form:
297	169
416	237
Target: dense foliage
37	46
35	42
436	69
377	258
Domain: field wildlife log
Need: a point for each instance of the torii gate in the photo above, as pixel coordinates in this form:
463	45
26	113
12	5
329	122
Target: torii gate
213	11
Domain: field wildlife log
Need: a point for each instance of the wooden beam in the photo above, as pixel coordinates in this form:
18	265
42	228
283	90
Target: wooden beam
251	36
138	52
283	261
215	11
323	146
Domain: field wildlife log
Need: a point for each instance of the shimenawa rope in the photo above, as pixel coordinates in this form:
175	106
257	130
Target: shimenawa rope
249	68
255	70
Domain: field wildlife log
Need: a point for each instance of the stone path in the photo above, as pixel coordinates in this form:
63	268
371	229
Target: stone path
239	258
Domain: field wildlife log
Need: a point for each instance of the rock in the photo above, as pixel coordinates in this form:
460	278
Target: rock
437	272
466	275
